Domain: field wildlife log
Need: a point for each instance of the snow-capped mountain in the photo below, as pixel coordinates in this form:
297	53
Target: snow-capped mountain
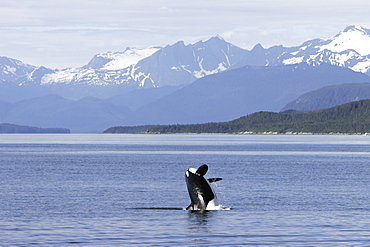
103	69
354	38
12	70
120	60
350	48
255	80
172	65
181	64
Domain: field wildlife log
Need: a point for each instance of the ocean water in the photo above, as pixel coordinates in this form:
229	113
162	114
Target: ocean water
129	190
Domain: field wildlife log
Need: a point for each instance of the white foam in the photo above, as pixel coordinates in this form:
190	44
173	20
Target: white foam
217	207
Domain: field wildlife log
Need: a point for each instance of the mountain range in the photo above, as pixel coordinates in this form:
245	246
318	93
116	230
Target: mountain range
220	97
210	80
239	92
180	64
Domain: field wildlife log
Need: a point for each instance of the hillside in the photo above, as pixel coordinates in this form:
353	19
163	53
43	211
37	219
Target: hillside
234	93
13	128
330	96
215	98
353	117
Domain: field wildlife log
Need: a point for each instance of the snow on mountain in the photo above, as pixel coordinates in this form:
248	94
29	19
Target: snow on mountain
103	69
172	65
121	60
70	76
354	38
350	48
181	64
12	70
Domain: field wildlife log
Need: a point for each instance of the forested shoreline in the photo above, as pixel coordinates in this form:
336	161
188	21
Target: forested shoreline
349	118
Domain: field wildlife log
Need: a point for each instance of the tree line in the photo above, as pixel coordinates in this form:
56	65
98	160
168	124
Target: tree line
350	118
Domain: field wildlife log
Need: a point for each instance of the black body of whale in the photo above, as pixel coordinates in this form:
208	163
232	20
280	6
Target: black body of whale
200	192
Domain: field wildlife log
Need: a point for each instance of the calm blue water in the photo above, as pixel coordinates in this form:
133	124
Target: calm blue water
105	190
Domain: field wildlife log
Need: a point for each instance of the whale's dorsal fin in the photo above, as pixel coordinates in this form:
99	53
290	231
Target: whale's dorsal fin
212	180
202	170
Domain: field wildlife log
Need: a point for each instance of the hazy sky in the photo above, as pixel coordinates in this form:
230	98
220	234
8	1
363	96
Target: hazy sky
68	33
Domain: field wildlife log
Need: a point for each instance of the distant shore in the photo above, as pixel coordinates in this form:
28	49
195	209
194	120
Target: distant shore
6	128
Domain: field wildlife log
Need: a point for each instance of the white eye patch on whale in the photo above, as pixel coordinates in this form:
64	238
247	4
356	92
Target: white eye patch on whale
201	194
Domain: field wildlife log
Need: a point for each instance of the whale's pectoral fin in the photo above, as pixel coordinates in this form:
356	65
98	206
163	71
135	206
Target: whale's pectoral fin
202	170
212	180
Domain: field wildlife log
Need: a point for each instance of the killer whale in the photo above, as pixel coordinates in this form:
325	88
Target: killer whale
200	191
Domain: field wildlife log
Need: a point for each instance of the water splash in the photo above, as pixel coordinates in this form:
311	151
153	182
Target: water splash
212	207
218	207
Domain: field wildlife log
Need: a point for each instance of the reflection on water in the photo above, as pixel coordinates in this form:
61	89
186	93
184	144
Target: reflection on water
198	225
